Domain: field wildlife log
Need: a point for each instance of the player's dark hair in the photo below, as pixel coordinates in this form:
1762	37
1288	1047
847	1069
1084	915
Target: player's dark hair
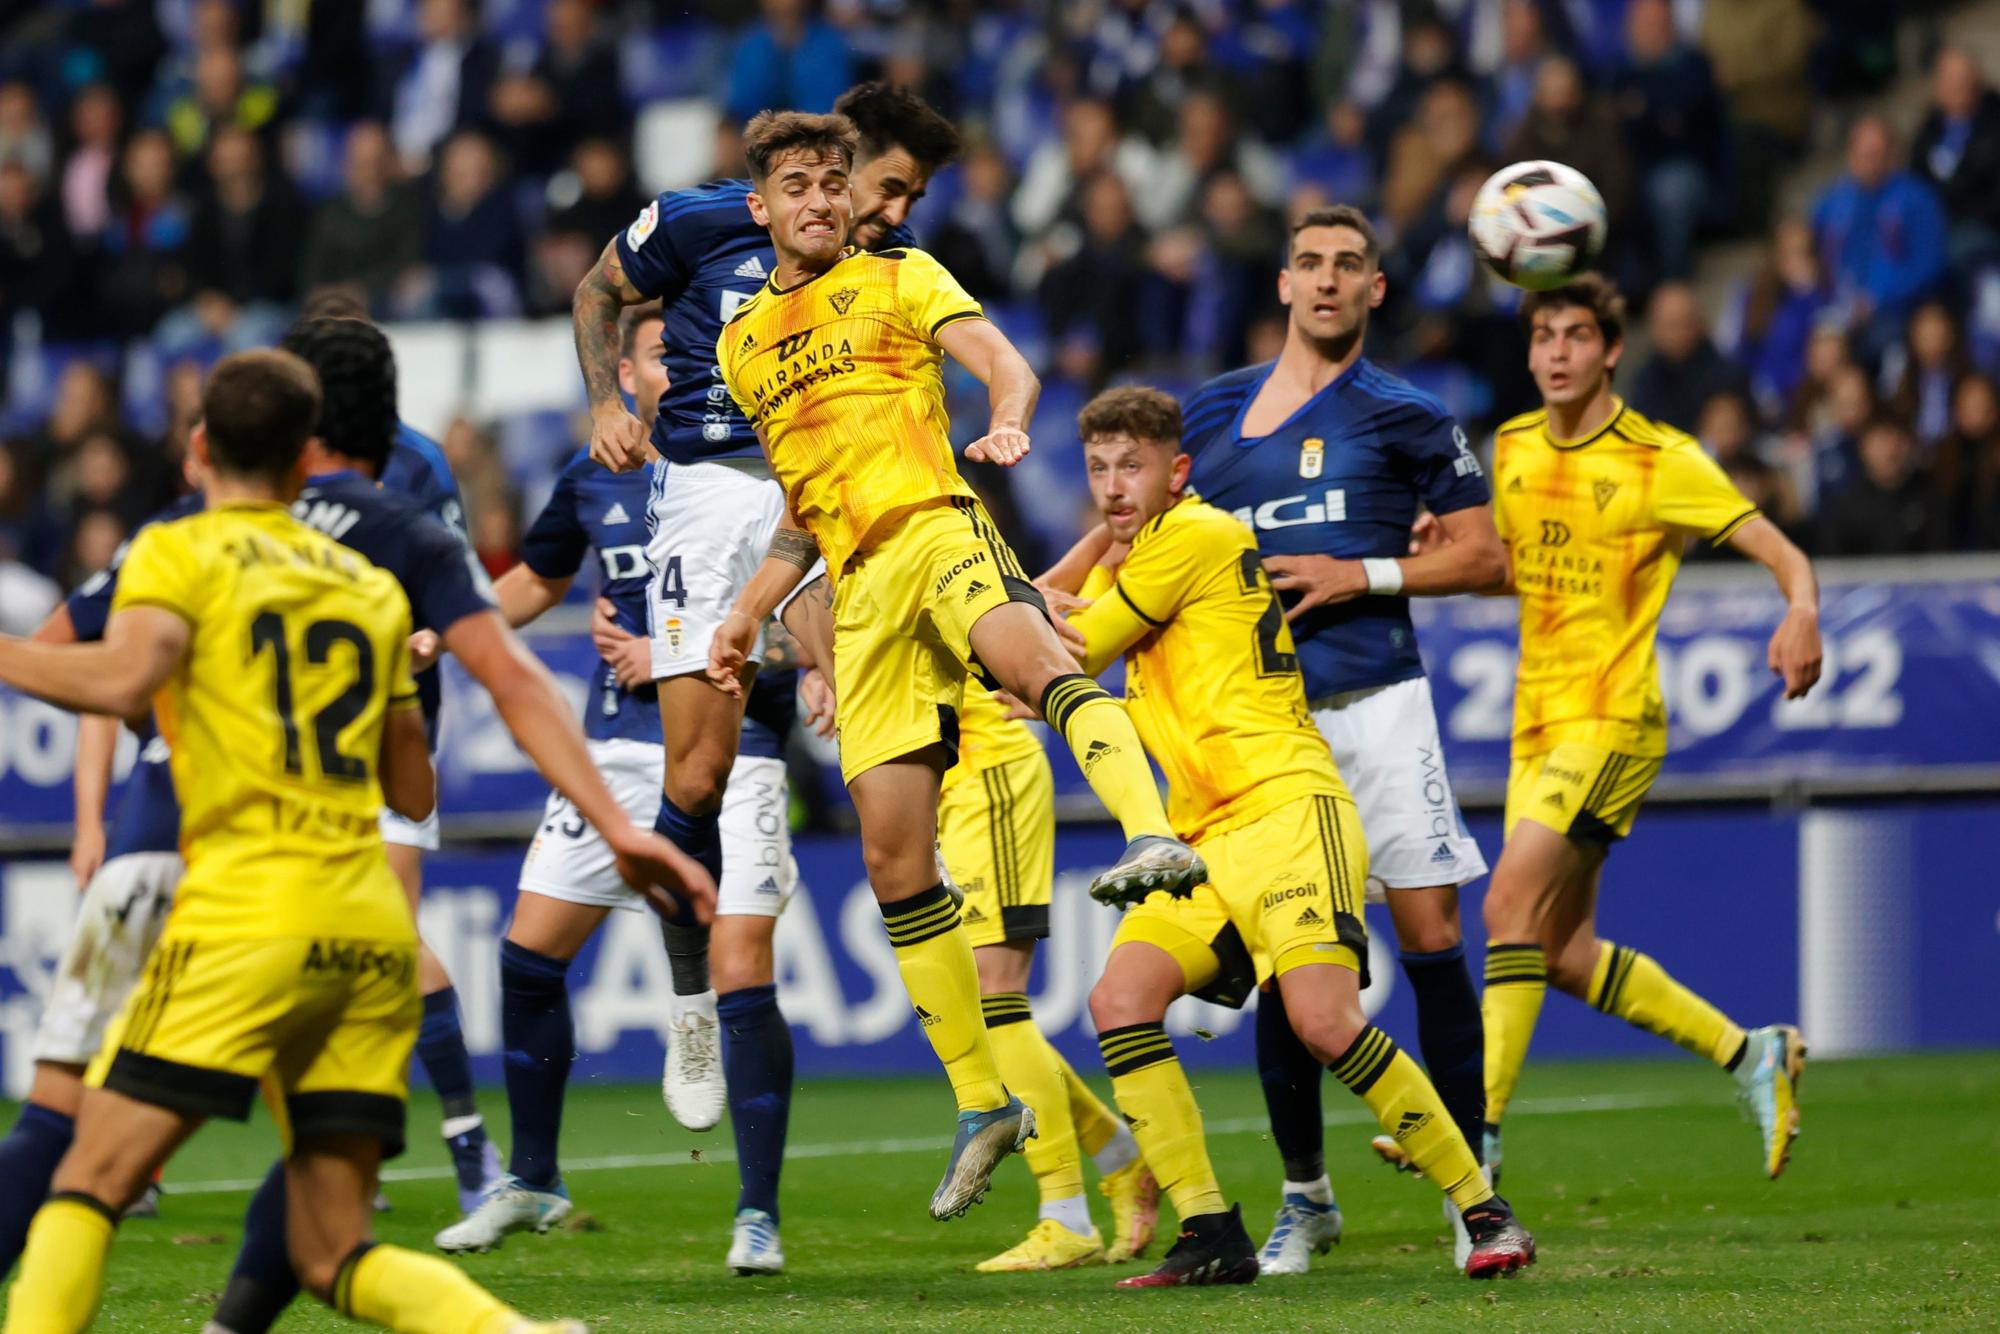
258	410
357	375
335	301
1587	291
1137	410
1345	215
773	133
886	116
628	326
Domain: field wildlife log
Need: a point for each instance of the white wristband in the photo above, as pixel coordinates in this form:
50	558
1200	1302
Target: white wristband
1385	574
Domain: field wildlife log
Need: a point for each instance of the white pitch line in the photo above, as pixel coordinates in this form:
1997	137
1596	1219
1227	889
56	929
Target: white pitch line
1241	1125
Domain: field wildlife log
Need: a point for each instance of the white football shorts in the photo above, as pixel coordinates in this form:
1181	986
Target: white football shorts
124	909
711	528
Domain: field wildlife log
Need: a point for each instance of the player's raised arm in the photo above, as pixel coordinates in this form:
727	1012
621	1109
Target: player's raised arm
525	596
117	676
1011	387
1794	652
617	438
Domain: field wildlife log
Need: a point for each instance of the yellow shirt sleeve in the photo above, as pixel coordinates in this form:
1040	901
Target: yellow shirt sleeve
1167	566
929	296
1691	491
162	569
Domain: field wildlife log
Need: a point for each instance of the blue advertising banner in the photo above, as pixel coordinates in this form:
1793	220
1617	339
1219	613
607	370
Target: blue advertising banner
1715	896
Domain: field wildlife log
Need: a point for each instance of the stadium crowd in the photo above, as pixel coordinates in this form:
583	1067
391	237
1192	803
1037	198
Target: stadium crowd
176	176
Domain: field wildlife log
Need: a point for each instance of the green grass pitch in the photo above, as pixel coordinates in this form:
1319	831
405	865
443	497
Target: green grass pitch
1639	1180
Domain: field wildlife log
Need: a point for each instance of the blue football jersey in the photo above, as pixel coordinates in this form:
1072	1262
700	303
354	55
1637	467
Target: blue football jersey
1343	476
769	714
417	468
439	574
702	255
148	814
593	509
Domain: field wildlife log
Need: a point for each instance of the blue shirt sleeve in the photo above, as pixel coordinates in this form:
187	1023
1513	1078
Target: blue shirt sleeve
445	582
555	544
1440	460
651	249
90	602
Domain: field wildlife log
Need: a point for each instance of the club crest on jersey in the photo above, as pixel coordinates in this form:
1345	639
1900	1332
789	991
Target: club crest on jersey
643	225
1312	458
1603	489
843	299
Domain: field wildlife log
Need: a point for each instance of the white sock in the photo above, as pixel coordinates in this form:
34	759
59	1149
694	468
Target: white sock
1319	1192
702	1004
1118	1152
1073	1213
454	1126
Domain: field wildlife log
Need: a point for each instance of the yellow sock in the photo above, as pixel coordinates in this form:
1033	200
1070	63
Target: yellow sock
417	1294
1107	749
1153	1093
1403	1099
1516	980
935	960
61	1278
1096	1125
1031	1069
1636	989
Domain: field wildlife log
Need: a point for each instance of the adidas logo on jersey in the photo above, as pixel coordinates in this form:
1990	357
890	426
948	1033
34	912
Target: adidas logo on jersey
1514	487
1310	917
974	589
752	267
926	1018
1411	1123
1443	854
617	514
1554	799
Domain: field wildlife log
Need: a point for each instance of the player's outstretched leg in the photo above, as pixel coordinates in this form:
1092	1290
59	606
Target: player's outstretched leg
1308	1220
897	804
1063	1237
1124	1180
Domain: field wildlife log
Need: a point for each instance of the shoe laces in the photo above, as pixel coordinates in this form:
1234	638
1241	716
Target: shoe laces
698	1051
758	1229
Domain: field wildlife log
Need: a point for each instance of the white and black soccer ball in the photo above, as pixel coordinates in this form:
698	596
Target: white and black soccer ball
1537	224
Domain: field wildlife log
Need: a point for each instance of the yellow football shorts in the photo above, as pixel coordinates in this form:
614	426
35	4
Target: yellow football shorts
1585	792
997	831
903	613
1283	891
330	1022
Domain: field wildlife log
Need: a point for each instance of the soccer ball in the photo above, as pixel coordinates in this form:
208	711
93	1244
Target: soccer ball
1537	224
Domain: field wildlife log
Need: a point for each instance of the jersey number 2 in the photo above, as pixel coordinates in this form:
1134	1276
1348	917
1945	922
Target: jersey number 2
268	631
1271	660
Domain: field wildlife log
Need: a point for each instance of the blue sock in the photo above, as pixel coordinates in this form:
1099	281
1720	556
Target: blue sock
757	1064
540	1042
700	837
28	1158
1452	1036
1290	1077
441	1048
262	1284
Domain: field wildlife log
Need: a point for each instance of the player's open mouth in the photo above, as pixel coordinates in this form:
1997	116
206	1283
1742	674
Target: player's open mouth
816	229
1325	309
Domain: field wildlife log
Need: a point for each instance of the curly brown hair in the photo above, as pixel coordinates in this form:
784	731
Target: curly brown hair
771	133
1136	410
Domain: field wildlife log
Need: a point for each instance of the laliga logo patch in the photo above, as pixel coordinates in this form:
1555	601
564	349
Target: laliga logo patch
643	225
843	299
673	628
1312	458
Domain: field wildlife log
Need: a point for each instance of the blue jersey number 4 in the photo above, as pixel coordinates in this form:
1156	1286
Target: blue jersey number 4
671	588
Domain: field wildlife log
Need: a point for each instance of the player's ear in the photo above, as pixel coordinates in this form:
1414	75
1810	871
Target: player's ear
198	445
1613	352
1285	286
1378	287
758	213
1177	480
625	380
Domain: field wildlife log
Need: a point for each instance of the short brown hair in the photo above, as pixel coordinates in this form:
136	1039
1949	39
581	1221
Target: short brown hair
1587	291
1137	410
1345	215
258	411
628	326
771	133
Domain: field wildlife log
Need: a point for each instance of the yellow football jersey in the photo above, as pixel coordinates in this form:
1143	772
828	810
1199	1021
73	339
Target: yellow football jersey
1212	681
299	648
987	737
843	375
1595	528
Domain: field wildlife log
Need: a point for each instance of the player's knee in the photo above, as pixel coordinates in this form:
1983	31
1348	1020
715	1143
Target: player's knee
317	1266
896	872
697	780
1427	934
1114	1005
1328	1031
1507	909
1570	968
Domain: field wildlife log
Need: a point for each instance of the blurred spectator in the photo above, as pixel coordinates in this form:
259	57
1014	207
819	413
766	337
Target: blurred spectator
569	91
35	254
1181	68
1524	45
1443	137
1207	147
1727	429
244	246
790	58
94	541
1336	161
1236	275
1890	508
1966	463
976	241
1881	232
372	232
144	269
445	83
1674	126
28	530
117	41
26	597
1097	290
592	200
1775	314
1921	371
472	242
1052	184
1760	49
24	137
1957	150
95	122
1685	371
1429	56
1568	123
220	98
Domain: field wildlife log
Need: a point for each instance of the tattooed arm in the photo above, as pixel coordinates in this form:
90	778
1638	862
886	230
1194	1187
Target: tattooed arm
617	438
